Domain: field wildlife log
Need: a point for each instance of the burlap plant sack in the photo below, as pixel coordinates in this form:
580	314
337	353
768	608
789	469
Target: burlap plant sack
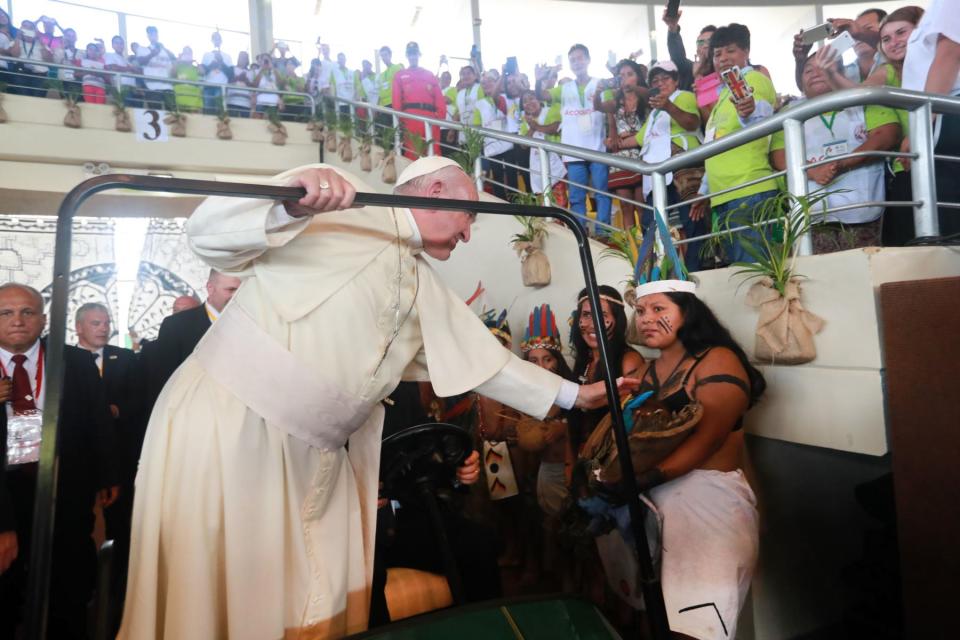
72	119
366	161
316	131
534	264
330	142
785	329
3	114
223	129
389	173
346	149
655	434
121	119
279	134
178	124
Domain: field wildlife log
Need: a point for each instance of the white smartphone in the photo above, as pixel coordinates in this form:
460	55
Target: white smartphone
842	43
817	33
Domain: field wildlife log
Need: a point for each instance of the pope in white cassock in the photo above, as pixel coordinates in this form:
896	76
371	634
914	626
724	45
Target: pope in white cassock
252	519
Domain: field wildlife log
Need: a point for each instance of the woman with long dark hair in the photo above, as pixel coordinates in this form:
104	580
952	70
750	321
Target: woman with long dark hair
586	368
709	517
625	115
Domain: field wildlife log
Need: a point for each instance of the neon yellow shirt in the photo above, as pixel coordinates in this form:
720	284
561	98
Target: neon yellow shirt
746	162
386	83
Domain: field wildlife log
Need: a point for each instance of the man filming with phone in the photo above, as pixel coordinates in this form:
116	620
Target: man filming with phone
747	97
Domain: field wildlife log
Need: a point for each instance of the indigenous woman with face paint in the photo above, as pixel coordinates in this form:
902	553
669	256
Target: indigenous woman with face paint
586	368
709	518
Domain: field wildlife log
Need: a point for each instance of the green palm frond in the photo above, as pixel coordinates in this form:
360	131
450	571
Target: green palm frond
778	223
533	228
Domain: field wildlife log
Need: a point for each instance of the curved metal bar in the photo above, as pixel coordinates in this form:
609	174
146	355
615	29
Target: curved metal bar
46	481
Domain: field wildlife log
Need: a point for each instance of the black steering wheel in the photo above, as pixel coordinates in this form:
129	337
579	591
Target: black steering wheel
423	457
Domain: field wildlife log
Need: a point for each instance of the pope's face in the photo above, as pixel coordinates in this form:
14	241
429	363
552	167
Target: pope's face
442	230
93	329
21	319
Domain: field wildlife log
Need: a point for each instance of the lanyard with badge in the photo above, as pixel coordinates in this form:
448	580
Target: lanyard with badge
834	147
24	429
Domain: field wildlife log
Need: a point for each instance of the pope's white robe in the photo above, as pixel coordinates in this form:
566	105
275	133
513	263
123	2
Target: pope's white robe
241	529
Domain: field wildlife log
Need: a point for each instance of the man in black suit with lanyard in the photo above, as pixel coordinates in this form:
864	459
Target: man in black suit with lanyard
180	333
86	466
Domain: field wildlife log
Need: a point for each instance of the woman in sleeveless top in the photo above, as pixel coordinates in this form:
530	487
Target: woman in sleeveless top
623	360
625	115
709	518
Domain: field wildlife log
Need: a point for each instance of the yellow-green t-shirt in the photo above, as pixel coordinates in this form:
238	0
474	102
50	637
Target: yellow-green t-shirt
686	101
747	162
386	83
873	115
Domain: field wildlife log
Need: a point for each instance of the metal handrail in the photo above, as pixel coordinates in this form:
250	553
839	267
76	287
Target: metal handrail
45	499
140	76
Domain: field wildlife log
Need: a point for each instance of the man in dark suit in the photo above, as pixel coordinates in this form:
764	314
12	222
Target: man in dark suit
123	397
86	447
180	333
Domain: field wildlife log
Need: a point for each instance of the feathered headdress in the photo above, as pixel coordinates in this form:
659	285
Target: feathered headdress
498	324
541	331
651	273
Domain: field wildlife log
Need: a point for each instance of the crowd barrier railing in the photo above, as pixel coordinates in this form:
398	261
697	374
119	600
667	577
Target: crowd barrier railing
18	79
921	106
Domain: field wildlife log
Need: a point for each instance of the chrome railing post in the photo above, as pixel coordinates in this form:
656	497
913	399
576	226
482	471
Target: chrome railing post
398	142
796	155
428	137
543	157
660	206
478	173
922	176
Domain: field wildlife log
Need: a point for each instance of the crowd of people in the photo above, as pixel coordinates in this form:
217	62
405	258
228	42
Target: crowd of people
643	112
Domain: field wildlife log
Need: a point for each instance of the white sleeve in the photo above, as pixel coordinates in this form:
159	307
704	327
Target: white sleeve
567	396
228	233
525	387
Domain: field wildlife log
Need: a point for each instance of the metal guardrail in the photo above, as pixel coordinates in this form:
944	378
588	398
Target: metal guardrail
921	107
118	75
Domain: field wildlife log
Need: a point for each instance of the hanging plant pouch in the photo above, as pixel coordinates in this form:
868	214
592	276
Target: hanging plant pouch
534	264
389	173
785	329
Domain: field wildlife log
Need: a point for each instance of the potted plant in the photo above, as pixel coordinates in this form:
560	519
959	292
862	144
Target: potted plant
176	119
276	127
345	125
388	140
118	97
534	264
315	126
70	99
366	146
223	125
785	329
330	126
3	91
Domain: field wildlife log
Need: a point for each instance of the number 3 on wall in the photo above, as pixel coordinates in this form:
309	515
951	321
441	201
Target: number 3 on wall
150	126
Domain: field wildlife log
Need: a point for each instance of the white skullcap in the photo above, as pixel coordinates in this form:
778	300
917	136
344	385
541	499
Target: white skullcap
423	166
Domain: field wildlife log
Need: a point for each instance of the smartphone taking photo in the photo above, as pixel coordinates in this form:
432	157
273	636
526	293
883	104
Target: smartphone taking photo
739	88
817	33
673	8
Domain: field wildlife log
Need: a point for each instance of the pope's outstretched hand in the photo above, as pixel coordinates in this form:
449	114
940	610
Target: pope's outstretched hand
326	190
594	396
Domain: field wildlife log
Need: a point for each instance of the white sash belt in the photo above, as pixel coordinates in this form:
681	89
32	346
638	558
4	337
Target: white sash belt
270	380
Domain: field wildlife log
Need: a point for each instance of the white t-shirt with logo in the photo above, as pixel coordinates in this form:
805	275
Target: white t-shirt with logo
112	58
160	66
217	75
